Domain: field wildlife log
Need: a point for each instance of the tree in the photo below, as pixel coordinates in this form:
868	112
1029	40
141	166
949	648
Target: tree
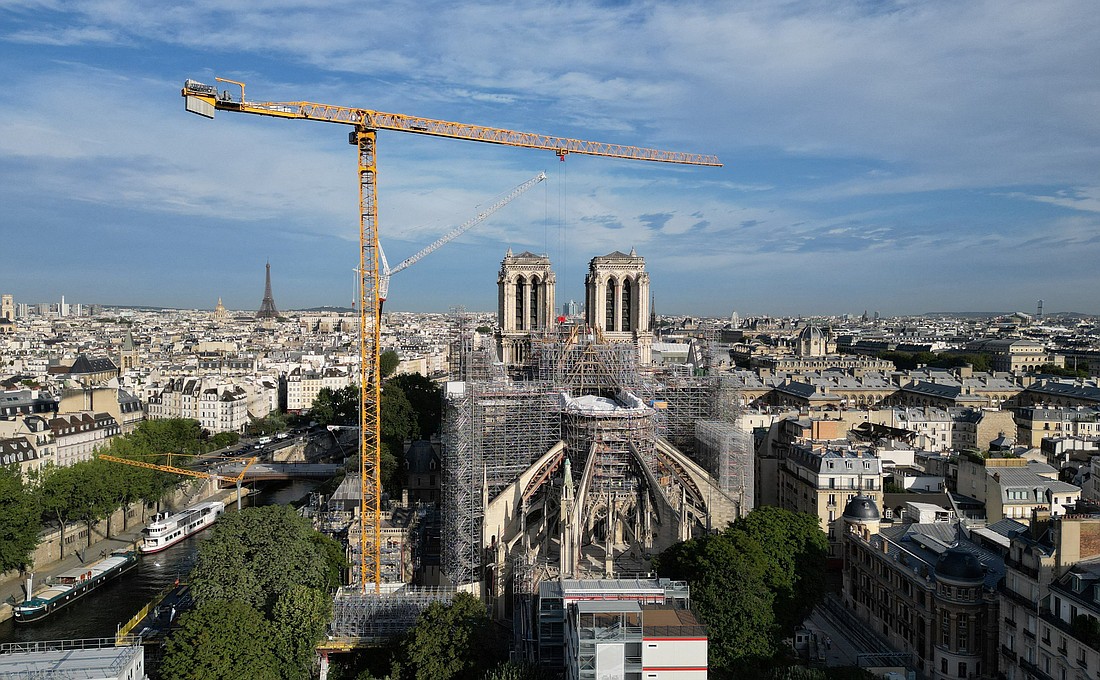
796	549
299	619
221	639
256	555
339	407
426	399
449	641
510	670
730	595
752	583
19	520
398	424
387	362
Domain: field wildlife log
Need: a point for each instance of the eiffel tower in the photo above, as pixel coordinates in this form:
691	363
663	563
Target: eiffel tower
267	307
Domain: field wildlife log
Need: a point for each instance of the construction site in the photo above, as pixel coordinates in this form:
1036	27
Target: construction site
572	458
584	466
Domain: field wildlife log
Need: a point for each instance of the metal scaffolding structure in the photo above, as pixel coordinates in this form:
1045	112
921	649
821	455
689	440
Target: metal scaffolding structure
725	451
493	431
680	399
366	619
582	365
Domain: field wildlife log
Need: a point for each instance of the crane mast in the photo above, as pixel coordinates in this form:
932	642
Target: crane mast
204	100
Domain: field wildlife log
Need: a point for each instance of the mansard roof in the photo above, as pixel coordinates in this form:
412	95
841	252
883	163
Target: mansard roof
84	366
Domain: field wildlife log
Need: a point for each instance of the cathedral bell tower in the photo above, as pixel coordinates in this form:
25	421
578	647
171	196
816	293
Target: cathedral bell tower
617	301
525	304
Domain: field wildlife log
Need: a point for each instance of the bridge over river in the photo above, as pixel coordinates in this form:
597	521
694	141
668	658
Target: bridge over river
262	472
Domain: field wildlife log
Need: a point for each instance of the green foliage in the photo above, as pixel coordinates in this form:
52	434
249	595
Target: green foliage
224	440
796	549
299	619
911	360
796	673
752	583
1082	370
510	670
399	420
270	561
449	641
270	424
426	399
729	593
175	435
257	555
387	362
1086	629
19	520
340	407
221	639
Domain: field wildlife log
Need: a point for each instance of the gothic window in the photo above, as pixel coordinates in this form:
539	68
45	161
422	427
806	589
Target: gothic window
626	310
533	306
519	304
609	308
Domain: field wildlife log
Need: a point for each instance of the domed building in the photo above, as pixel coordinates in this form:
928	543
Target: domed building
926	588
811	341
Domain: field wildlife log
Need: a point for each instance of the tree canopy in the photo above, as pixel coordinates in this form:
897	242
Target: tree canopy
426	399
449	641
19	514
270	561
221	639
752	583
256	555
387	362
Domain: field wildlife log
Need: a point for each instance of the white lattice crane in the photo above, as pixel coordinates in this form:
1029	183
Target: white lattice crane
384	277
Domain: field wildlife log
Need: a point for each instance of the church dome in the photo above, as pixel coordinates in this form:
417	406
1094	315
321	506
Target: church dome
861	509
957	564
811	333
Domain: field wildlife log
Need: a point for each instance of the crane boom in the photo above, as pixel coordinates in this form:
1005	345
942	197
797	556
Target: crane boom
204	100
384	284
380	120
178	470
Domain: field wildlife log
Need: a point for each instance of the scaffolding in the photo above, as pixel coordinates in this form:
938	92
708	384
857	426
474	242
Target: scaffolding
363	619
725	451
583	365
680	399
493	432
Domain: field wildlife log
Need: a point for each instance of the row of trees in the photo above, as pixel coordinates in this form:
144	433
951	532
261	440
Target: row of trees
261	584
911	360
92	490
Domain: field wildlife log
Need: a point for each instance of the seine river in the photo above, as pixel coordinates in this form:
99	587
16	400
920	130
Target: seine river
100	613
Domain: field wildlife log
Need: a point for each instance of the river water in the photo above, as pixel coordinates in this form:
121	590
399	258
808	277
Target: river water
101	612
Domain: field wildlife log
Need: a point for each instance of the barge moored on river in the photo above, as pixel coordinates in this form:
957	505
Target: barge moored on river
71	585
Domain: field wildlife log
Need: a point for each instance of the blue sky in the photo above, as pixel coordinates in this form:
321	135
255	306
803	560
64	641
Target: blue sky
894	156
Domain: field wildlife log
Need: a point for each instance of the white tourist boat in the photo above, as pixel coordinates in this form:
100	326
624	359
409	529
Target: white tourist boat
166	530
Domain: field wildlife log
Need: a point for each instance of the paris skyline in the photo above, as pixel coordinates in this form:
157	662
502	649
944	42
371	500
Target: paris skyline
896	156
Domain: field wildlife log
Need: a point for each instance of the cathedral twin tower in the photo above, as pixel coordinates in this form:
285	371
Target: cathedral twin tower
616	302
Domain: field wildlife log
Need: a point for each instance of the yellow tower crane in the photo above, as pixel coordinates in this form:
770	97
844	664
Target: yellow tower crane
204	100
168	467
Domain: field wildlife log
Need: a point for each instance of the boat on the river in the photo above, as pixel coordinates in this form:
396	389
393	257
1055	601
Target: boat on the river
166	530
71	585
